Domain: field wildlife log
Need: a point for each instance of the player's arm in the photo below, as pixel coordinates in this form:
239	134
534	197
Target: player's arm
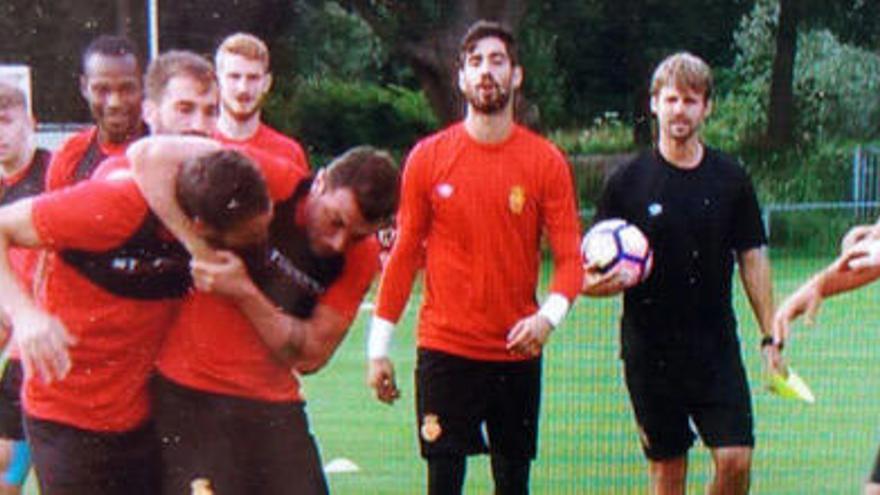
304	343
399	272
754	270
562	227
155	162
856	267
42	339
596	283
224	274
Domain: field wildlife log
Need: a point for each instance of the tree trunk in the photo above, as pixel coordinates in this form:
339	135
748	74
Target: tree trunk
780	113
430	47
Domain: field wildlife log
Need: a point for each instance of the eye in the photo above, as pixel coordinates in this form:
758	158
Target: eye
185	107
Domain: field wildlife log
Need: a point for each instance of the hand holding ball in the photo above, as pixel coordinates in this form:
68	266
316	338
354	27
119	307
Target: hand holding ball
618	246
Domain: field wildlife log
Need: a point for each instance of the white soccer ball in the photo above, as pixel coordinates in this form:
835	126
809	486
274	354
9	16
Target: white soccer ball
616	245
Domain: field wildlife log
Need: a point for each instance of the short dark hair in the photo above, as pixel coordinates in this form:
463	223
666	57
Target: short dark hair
110	46
222	189
177	63
373	178
487	29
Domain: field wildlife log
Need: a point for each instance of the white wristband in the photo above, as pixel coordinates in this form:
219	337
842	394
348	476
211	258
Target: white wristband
379	339
555	308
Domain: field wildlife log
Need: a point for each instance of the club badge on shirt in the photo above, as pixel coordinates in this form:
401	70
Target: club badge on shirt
517	199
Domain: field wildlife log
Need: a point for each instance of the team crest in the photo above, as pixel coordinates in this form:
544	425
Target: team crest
431	429
201	486
517	199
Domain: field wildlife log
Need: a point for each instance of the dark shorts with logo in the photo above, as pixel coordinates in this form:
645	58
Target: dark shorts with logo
668	398
467	407
10	401
240	446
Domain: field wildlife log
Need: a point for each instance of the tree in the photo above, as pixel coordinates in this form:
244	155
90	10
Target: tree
780	112
426	34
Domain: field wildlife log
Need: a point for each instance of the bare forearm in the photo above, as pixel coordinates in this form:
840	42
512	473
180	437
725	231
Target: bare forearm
282	333
757	282
16	229
838	278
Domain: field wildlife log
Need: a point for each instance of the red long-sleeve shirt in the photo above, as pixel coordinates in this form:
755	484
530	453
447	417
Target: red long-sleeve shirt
479	210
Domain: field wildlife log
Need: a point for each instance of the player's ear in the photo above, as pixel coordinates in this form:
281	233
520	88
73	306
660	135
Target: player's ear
84	86
149	110
267	83
200	228
319	185
517	77
708	107
461	85
653	102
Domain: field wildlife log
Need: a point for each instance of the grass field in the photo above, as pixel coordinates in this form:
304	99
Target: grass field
588	443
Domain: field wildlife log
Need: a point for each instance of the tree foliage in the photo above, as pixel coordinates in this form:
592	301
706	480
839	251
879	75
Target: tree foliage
835	85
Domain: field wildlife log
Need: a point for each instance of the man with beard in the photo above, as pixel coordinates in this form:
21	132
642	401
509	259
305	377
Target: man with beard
111	85
680	348
476	198
22	175
242	63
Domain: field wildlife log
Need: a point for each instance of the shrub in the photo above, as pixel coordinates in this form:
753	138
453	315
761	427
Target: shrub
332	115
608	134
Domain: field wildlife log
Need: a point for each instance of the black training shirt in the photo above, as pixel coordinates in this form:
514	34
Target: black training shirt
696	220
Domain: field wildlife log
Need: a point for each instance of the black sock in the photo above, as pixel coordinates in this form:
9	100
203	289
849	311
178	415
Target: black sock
511	475
446	475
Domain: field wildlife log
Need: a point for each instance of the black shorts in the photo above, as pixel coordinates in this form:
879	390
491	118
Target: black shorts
241	446
71	461
10	401
666	397
457	397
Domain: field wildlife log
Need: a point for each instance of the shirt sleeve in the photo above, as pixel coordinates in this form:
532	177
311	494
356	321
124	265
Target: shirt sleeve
413	221
281	175
65	159
562	226
347	292
606	207
94	215
748	228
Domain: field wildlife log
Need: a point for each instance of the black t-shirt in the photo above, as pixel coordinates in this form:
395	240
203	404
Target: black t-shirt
696	221
31	184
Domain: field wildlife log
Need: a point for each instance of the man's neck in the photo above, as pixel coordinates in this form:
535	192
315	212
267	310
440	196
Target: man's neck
685	155
489	129
104	138
233	128
10	169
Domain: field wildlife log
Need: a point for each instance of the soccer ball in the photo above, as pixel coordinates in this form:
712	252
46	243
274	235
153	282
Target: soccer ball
615	244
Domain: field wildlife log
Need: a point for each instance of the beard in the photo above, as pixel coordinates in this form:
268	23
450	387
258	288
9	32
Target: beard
241	112
495	100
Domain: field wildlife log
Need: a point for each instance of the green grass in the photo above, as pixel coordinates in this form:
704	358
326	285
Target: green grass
587	440
588	443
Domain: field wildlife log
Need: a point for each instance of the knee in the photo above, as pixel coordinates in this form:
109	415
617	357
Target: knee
669	472
735	463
